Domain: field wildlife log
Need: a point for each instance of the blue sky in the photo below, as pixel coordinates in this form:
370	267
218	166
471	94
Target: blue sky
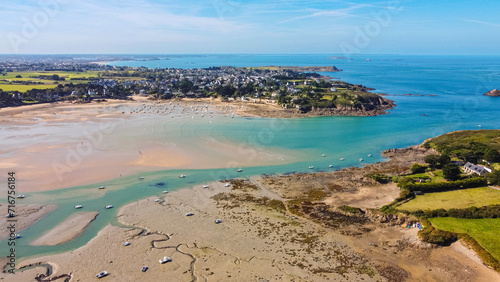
467	27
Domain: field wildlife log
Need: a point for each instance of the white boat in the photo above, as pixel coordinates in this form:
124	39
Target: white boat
78	206
102	274
217	221
361	159
369	155
341	159
126	244
21	196
227	185
141	178
17	236
109	207
102	187
239	170
311	167
189	214
206	186
157	200
330	166
165	260
323	155
165	192
182	176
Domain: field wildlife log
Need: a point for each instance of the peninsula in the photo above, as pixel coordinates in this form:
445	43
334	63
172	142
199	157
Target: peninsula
272	91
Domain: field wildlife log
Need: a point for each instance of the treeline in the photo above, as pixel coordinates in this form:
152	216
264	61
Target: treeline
6	99
473	151
492	211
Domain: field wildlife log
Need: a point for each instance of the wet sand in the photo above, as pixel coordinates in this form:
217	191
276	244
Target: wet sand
67	230
256	240
61	145
26	215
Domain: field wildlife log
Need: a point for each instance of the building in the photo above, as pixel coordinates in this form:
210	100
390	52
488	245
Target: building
477	169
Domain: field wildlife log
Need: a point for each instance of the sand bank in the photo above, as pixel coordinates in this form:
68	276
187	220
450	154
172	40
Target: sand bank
67	230
26	215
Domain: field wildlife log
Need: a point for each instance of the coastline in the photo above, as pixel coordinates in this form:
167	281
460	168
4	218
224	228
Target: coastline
143	157
260	237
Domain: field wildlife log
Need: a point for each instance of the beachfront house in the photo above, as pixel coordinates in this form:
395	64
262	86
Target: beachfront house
480	170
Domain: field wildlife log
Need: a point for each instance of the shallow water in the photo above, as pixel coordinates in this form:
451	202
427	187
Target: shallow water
458	82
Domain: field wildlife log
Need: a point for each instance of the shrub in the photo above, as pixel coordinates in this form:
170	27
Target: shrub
435	236
417	168
451	172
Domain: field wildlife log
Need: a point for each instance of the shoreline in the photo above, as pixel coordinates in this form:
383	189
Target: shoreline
261	237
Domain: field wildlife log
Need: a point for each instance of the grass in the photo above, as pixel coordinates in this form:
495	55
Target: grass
24	88
464	138
485	231
29	76
435	176
459	199
65	74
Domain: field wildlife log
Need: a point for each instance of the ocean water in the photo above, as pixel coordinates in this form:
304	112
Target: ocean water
446	95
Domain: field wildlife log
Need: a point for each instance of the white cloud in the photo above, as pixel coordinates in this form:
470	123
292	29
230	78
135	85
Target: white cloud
482	22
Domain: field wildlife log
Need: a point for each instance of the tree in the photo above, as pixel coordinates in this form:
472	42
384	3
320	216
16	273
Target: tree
444	159
492	155
417	168
451	172
494	177
432	160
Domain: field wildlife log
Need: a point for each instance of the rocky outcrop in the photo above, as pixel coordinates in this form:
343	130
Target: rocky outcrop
493	93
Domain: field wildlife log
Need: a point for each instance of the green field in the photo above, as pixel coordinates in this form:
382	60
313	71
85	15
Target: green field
24	88
29	76
459	199
485	231
65	74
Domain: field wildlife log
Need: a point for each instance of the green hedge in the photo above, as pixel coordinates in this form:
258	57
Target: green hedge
492	211
447	186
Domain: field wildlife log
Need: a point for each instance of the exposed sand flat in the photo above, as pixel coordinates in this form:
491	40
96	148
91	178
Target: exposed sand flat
26	215
256	240
63	145
373	197
66	231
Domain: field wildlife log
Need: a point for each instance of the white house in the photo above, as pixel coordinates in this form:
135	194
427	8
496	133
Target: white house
477	169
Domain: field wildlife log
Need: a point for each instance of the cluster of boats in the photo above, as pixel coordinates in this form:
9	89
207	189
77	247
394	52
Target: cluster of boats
341	159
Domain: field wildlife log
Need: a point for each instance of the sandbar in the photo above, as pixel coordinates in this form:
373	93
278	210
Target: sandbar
67	230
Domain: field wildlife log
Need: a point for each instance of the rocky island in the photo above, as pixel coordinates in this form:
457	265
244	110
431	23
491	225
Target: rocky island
493	93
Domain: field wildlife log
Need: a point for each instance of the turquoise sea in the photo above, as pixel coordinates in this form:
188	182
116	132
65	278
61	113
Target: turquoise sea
447	95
